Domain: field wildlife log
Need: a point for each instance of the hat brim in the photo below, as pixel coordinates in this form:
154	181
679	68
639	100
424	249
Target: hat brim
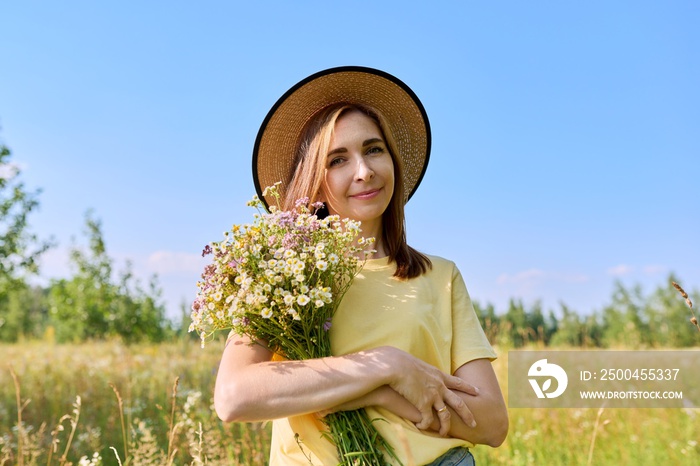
276	143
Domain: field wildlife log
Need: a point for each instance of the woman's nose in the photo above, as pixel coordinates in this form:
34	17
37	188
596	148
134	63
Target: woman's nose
363	171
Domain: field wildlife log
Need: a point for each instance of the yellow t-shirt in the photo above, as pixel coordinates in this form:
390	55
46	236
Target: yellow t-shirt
430	317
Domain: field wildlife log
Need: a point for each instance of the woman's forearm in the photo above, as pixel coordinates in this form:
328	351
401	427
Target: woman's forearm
384	397
488	406
249	387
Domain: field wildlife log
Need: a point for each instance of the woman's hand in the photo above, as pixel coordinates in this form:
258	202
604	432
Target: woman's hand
387	398
430	390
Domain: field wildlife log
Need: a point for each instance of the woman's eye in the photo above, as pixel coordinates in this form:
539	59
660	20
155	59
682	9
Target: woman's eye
375	150
336	161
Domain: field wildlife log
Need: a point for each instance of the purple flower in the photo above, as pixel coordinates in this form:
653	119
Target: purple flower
207	250
285	219
300	202
290	241
196	305
314	225
271	240
327	325
209	270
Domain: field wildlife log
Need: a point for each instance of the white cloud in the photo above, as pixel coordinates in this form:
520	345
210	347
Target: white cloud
620	270
169	262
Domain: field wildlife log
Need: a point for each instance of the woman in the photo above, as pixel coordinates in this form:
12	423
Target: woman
408	346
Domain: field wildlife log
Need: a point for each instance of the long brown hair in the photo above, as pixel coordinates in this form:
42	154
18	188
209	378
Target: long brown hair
313	146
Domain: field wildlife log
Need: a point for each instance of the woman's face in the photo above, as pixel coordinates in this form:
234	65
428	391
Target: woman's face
359	179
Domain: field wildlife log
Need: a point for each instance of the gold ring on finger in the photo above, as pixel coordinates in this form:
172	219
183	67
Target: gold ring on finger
443	409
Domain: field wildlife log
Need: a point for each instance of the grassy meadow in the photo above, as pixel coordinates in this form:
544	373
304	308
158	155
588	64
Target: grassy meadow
152	405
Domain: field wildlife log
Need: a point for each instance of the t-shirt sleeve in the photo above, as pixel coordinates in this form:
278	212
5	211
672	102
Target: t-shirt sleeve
469	341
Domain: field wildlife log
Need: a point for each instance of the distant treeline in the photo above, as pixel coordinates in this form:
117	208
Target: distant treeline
93	306
632	319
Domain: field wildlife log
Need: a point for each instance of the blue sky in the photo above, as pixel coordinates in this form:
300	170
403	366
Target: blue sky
566	135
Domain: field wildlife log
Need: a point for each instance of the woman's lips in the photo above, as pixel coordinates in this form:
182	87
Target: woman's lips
366	194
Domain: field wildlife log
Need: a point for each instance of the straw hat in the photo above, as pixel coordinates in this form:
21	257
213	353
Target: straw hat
275	146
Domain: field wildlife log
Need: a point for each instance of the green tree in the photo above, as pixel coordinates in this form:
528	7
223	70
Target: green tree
536	325
139	315
592	331
20	250
668	317
623	320
93	305
576	330
551	328
568	328
516	323
24	312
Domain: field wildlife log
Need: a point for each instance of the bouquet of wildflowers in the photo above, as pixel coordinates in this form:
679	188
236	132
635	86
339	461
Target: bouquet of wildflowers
279	282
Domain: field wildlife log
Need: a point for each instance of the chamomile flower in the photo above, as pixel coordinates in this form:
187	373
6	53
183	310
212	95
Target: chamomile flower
289	299
303	300
321	265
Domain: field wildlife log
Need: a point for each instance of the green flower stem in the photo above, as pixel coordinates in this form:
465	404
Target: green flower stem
352	432
357	439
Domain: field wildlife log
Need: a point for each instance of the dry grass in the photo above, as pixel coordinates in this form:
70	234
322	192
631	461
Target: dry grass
137	405
693	319
106	403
